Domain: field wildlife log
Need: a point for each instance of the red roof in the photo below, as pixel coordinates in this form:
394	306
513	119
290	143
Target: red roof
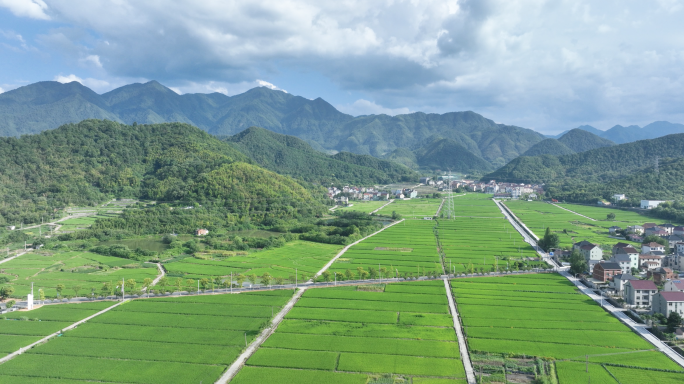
627	250
653	244
643	284
672	296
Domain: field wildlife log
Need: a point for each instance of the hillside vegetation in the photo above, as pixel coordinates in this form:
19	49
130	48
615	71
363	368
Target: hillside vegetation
89	162
288	155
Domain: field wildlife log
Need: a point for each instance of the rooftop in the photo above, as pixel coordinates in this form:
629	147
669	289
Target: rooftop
653	244
672	296
642	284
608	265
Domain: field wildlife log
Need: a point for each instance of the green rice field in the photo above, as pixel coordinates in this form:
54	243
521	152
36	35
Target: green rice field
21	328
407	248
622	218
344	335
538	215
304	256
364	206
77	269
414	208
545	316
165	340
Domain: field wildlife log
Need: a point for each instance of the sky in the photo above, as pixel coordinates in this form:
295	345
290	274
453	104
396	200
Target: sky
546	65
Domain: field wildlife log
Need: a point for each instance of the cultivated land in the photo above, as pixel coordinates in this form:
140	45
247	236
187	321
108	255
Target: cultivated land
76	269
365	206
21	328
164	340
414	208
622	218
347	335
538	215
307	257
408	248
544	316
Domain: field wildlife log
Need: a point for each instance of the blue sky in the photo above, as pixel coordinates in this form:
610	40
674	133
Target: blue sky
545	65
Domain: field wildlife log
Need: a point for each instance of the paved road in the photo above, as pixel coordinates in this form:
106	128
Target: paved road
462	346
578	214
240	361
15	256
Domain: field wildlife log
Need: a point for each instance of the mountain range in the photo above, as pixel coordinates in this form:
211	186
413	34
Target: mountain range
621	135
573	141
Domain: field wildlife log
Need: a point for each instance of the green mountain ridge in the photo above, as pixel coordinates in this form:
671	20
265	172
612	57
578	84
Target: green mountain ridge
87	163
447	154
47	105
549	147
573	141
288	155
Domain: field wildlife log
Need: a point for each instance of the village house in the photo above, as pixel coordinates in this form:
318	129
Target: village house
678	231
672	241
668	302
619	196
619	246
668	227
652	247
632	253
635	238
679	248
638	229
588	250
674	286
649	225
605	271
650	262
614	229
640	292
619	282
660	275
650	204
656	231
201	232
624	261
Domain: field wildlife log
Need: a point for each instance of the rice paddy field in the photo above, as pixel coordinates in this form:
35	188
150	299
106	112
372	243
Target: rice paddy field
345	335
475	205
622	218
414	208
78	269
162	340
538	215
21	328
307	257
544	316
409	248
364	206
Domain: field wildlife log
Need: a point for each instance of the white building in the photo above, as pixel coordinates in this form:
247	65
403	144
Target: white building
652	247
650	204
619	197
668	302
640	292
674	286
623	261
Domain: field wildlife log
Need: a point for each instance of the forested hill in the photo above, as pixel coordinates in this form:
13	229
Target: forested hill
88	162
288	155
47	105
592	174
573	141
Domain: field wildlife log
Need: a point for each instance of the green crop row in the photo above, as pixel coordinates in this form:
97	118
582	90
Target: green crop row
317	327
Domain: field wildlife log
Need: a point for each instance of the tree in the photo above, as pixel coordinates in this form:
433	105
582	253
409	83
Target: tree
279	280
266	278
396	216
635	271
76	288
549	241
364	275
470	269
673	321
163	283
59	288
147	282
326	276
41	295
348	274
373	273
106	288
6	291
360	272
252	278
240	278
10	304
130	285
655	239
578	263
204	283
383	272
610	216
179	284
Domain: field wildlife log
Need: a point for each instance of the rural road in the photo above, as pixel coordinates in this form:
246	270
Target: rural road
462	345
240	361
15	256
578	214
390	202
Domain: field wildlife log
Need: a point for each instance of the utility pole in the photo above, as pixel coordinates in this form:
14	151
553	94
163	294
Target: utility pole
296	277
231	282
123	291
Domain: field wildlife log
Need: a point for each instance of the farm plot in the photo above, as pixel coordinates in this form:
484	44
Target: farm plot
501	324
484	244
184	339
304	256
537	216
475	205
21	328
364	206
414	208
622	218
353	345
81	273
407	249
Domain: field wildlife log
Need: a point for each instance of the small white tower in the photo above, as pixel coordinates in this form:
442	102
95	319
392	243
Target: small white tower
30	299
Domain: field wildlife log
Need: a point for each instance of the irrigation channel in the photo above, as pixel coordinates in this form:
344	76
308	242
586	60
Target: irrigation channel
639	329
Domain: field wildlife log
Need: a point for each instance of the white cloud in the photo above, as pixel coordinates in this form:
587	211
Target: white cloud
2	90
269	85
536	63
34	9
94	84
365	107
